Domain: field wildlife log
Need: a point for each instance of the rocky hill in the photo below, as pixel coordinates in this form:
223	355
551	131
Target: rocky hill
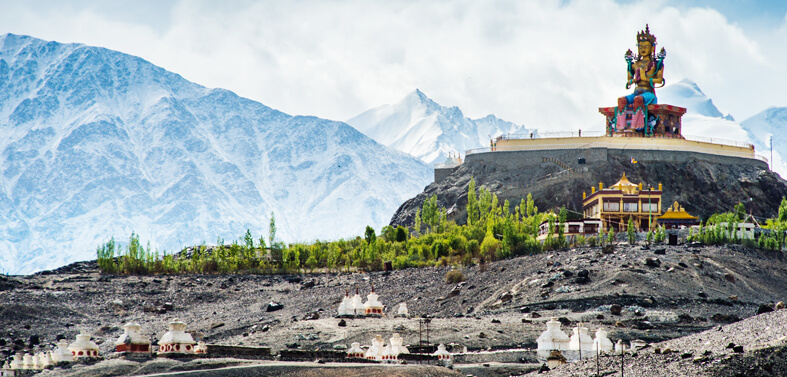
704	184
663	293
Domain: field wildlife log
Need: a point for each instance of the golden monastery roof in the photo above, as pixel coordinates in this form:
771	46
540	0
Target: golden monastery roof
626	186
676	212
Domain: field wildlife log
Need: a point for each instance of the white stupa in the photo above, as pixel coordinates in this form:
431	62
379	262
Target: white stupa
16	363
552	339
176	340
83	347
346	307
403	312
372	307
601	343
356	351
132	340
619	346
375	352
580	341
442	353
6	370
62	353
396	346
357	304
201	348
27	361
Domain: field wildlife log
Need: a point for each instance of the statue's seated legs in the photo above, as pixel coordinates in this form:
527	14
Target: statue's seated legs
620	124
638	118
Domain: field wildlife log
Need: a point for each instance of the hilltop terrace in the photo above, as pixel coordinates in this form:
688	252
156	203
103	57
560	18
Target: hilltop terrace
554	141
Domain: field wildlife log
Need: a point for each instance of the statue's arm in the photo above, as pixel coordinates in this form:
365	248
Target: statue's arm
658	78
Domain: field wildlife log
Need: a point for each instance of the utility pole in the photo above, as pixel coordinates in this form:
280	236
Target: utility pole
771	140
650	209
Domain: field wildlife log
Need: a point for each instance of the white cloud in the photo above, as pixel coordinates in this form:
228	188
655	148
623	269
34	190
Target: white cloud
546	64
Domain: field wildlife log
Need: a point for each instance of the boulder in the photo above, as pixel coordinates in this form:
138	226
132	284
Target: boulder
615	309
273	306
506	297
779	305
725	318
765	308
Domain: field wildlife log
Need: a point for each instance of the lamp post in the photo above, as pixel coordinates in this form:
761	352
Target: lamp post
650	208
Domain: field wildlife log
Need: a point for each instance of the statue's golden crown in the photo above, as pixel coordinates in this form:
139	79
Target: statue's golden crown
645	35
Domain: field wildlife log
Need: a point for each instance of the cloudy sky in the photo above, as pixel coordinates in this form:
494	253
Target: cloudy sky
544	64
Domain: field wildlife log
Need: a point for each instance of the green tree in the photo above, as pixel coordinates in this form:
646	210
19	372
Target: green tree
782	217
532	210
369	235
248	240
740	212
631	231
472	203
272	230
417	225
562	216
401	234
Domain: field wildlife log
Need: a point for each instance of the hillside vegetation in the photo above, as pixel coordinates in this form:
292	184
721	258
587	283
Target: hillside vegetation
492	231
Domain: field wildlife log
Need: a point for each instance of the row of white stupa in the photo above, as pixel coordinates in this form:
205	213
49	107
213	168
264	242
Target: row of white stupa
176	340
390	352
554	339
352	307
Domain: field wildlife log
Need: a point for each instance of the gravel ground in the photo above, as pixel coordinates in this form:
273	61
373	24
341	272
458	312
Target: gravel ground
763	338
681	291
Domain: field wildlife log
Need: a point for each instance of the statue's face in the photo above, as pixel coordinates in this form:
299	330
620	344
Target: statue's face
645	48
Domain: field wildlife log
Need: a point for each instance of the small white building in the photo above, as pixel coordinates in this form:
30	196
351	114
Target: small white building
403	312
375	352
373	307
16	363
201	348
83	347
442	353
132	341
396	346
356	351
6	370
176	340
580	341
62	353
346	308
357	304
552	339
602	344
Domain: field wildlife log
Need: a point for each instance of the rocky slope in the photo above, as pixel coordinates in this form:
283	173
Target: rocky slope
711	353
702	186
499	305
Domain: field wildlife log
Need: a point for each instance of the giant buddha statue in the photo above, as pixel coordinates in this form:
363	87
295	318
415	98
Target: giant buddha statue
639	112
644	70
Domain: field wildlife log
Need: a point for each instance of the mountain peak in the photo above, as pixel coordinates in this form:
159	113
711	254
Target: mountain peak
686	93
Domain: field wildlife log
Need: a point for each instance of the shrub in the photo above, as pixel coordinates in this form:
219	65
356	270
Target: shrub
454	277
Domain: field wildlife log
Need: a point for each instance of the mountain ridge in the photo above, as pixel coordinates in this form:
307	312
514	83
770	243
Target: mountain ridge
418	125
100	143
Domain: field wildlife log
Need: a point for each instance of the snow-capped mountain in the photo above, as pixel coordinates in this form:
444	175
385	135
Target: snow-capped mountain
424	129
771	123
95	143
702	118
